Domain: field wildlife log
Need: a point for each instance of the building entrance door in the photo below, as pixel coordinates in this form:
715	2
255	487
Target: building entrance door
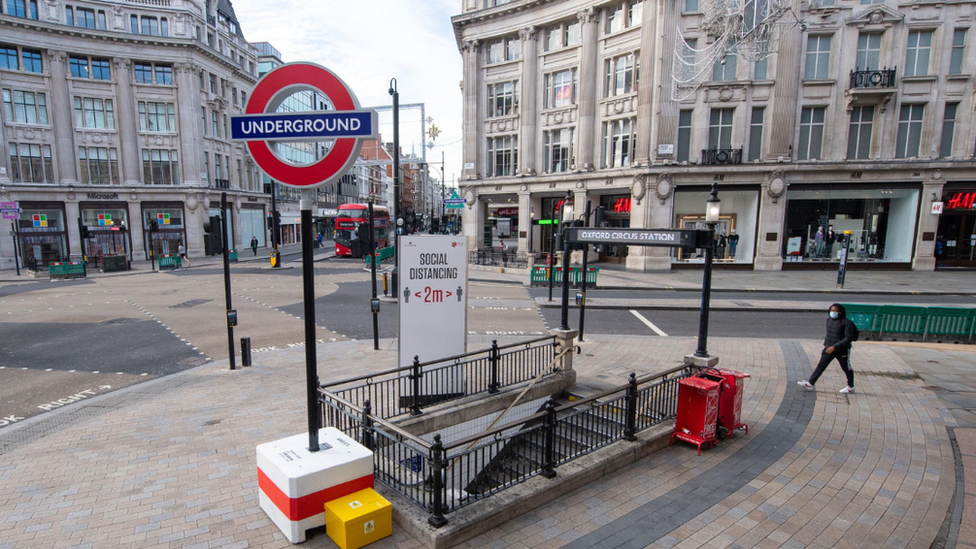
956	241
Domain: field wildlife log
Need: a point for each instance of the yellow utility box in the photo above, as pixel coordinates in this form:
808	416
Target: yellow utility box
358	519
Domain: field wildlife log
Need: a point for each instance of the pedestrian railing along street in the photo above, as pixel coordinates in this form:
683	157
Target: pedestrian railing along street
442	477
499	258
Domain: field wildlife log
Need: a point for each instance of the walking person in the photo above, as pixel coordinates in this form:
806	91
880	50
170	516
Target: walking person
254	245
182	253
841	333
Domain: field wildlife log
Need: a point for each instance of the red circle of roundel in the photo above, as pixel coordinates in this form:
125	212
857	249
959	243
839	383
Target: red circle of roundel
342	99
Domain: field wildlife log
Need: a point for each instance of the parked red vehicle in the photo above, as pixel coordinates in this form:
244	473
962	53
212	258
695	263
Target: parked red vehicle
348	220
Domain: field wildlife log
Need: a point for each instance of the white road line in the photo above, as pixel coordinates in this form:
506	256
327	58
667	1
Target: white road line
648	323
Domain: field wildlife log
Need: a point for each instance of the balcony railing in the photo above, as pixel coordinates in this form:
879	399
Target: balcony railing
222	183
884	78
711	157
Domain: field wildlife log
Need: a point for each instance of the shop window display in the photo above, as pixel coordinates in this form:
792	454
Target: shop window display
881	224
736	228
171	230
107	238
42	236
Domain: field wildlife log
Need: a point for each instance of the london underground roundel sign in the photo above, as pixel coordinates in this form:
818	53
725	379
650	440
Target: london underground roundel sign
261	125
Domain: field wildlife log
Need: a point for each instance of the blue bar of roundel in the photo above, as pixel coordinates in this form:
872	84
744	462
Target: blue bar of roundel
299	126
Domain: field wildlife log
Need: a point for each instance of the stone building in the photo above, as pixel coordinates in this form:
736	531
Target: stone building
117	113
860	120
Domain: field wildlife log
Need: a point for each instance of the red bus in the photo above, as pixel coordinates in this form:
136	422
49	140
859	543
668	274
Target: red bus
349	218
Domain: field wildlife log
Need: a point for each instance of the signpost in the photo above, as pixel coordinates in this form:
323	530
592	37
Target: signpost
346	126
433	302
842	269
9	210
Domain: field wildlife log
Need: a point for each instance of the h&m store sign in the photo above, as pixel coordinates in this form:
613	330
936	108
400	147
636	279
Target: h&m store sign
962	200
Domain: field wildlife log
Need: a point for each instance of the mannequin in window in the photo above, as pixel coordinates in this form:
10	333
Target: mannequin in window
720	246
818	242
733	244
834	241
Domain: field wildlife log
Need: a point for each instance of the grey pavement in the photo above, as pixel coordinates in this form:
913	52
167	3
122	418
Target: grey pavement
171	462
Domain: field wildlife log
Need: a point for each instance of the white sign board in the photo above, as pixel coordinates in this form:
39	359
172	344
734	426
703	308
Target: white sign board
937	207
793	245
665	149
433	297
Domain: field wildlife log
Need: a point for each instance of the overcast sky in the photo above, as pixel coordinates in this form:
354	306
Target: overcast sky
368	42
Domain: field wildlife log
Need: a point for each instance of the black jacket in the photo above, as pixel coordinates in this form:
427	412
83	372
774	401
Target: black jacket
840	331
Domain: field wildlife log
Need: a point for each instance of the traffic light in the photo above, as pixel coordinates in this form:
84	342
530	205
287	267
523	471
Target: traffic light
362	231
153	225
85	232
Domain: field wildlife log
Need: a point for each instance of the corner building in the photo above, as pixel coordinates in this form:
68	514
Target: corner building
859	121
117	113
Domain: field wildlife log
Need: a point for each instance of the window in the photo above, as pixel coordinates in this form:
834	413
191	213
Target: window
615	18
760	69
32	60
226	133
24	107
8	58
571	36
217	171
859	135
919	50
635	11
818	57
553	38
163	73
724	68
85	18
948	129
31	163
754	12
102	25
505	49
513	49
203	122
560	89
157	117
150	26
213	84
502	156
69	16
99	165
755	133
720	129
621	75
872	1
909	131
618	142
868	52
691	5
811	133
958	49
94	113
26	9
133	24
684	135
558	150
160	167
215	126
84	67
234	94
502	98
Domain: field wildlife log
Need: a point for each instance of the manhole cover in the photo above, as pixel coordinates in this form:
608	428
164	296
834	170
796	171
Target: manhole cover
191	303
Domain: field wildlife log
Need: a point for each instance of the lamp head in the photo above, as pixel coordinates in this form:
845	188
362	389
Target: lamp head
713	205
568	207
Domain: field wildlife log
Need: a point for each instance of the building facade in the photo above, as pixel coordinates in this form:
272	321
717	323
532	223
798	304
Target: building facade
116	114
859	120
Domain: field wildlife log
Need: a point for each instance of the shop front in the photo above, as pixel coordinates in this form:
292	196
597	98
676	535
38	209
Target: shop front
955	241
252	224
881	219
735	233
616	208
171	232
107	223
42	236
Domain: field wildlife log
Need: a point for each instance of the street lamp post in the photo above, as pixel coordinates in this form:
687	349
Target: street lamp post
397	214
565	222
531	228
552	247
712	209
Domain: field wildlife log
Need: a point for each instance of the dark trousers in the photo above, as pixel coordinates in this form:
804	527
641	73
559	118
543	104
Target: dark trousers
825	359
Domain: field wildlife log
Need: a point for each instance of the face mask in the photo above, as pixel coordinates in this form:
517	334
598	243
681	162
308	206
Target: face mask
834	314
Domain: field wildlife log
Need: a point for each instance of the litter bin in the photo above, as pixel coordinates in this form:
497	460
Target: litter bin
730	402
697	411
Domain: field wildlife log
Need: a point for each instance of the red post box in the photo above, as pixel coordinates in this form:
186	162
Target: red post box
697	411
730	402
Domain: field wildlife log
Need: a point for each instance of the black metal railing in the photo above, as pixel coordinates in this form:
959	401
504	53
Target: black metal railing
884	78
411	388
514	259
711	157
444	477
222	183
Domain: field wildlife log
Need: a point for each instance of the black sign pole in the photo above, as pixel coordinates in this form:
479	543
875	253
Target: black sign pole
842	269
13	235
586	252
311	365
702	350
152	251
81	239
552	248
373	258
397	212
565	225
227	301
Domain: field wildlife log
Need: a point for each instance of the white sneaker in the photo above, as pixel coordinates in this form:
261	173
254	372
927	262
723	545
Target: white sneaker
847	390
805	384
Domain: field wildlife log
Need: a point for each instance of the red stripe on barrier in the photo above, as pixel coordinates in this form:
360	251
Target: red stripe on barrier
296	509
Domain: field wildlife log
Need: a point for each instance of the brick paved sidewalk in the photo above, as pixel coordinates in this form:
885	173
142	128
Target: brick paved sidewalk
171	463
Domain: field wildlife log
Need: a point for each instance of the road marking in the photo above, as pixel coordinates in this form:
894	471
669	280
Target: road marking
648	323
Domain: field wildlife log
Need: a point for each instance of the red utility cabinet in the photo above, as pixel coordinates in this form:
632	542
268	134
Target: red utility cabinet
730	402
697	411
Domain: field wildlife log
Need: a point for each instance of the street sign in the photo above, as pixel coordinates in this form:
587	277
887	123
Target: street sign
433	299
347	125
9	210
454	202
674	238
937	207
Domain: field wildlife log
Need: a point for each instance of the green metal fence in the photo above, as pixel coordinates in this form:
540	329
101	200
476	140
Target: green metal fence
381	255
540	276
912	322
169	261
66	269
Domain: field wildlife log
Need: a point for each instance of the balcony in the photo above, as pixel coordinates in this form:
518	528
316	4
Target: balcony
222	183
876	79
713	157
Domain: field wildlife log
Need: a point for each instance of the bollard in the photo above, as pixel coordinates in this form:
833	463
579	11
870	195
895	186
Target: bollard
549	441
384	284
493	360
245	351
